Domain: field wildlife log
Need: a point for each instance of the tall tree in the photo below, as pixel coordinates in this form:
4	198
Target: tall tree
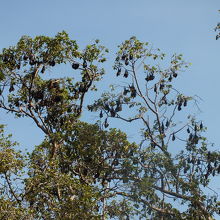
88	171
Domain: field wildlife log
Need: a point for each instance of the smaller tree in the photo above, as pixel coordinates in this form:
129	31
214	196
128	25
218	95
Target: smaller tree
12	163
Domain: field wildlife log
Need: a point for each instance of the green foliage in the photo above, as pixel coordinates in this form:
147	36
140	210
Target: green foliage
87	171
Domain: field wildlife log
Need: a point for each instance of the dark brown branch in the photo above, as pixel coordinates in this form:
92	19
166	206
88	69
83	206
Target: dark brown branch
11	189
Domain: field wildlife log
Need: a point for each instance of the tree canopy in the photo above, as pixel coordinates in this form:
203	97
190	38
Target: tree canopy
85	170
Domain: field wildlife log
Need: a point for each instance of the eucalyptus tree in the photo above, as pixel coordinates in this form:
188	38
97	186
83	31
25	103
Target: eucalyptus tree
91	171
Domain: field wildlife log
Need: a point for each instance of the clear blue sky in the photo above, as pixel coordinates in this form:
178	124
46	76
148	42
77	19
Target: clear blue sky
185	27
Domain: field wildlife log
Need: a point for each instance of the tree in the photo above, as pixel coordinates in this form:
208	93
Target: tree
217	29
90	171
